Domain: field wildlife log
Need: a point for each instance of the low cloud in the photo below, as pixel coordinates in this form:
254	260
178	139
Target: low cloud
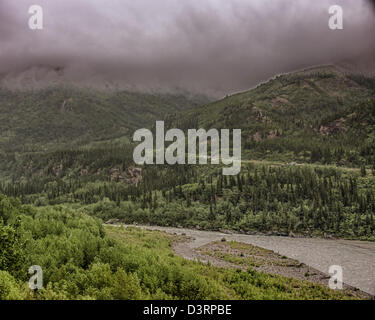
212	46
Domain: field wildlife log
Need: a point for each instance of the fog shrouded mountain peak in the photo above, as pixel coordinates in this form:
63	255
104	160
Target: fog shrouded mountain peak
215	47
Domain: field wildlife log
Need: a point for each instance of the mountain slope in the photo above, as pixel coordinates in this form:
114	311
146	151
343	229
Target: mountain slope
319	115
294	113
60	115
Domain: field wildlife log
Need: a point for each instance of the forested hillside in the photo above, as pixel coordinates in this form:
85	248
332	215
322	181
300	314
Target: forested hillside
318	115
49	118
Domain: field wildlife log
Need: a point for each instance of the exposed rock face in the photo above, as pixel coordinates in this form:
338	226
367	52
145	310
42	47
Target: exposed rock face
260	116
66	105
341	163
257	137
84	171
129	176
279	102
135	174
334	127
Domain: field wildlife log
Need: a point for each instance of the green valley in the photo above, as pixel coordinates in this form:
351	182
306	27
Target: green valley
308	170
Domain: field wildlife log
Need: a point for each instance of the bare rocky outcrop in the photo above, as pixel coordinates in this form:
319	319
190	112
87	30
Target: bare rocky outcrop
131	176
334	127
66	105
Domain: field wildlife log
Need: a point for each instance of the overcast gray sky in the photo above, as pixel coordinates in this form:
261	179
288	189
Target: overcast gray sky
215	46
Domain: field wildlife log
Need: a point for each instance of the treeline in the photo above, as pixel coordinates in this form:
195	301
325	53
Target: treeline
299	199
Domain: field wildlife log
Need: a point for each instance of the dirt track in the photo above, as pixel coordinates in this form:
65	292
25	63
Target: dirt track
357	258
